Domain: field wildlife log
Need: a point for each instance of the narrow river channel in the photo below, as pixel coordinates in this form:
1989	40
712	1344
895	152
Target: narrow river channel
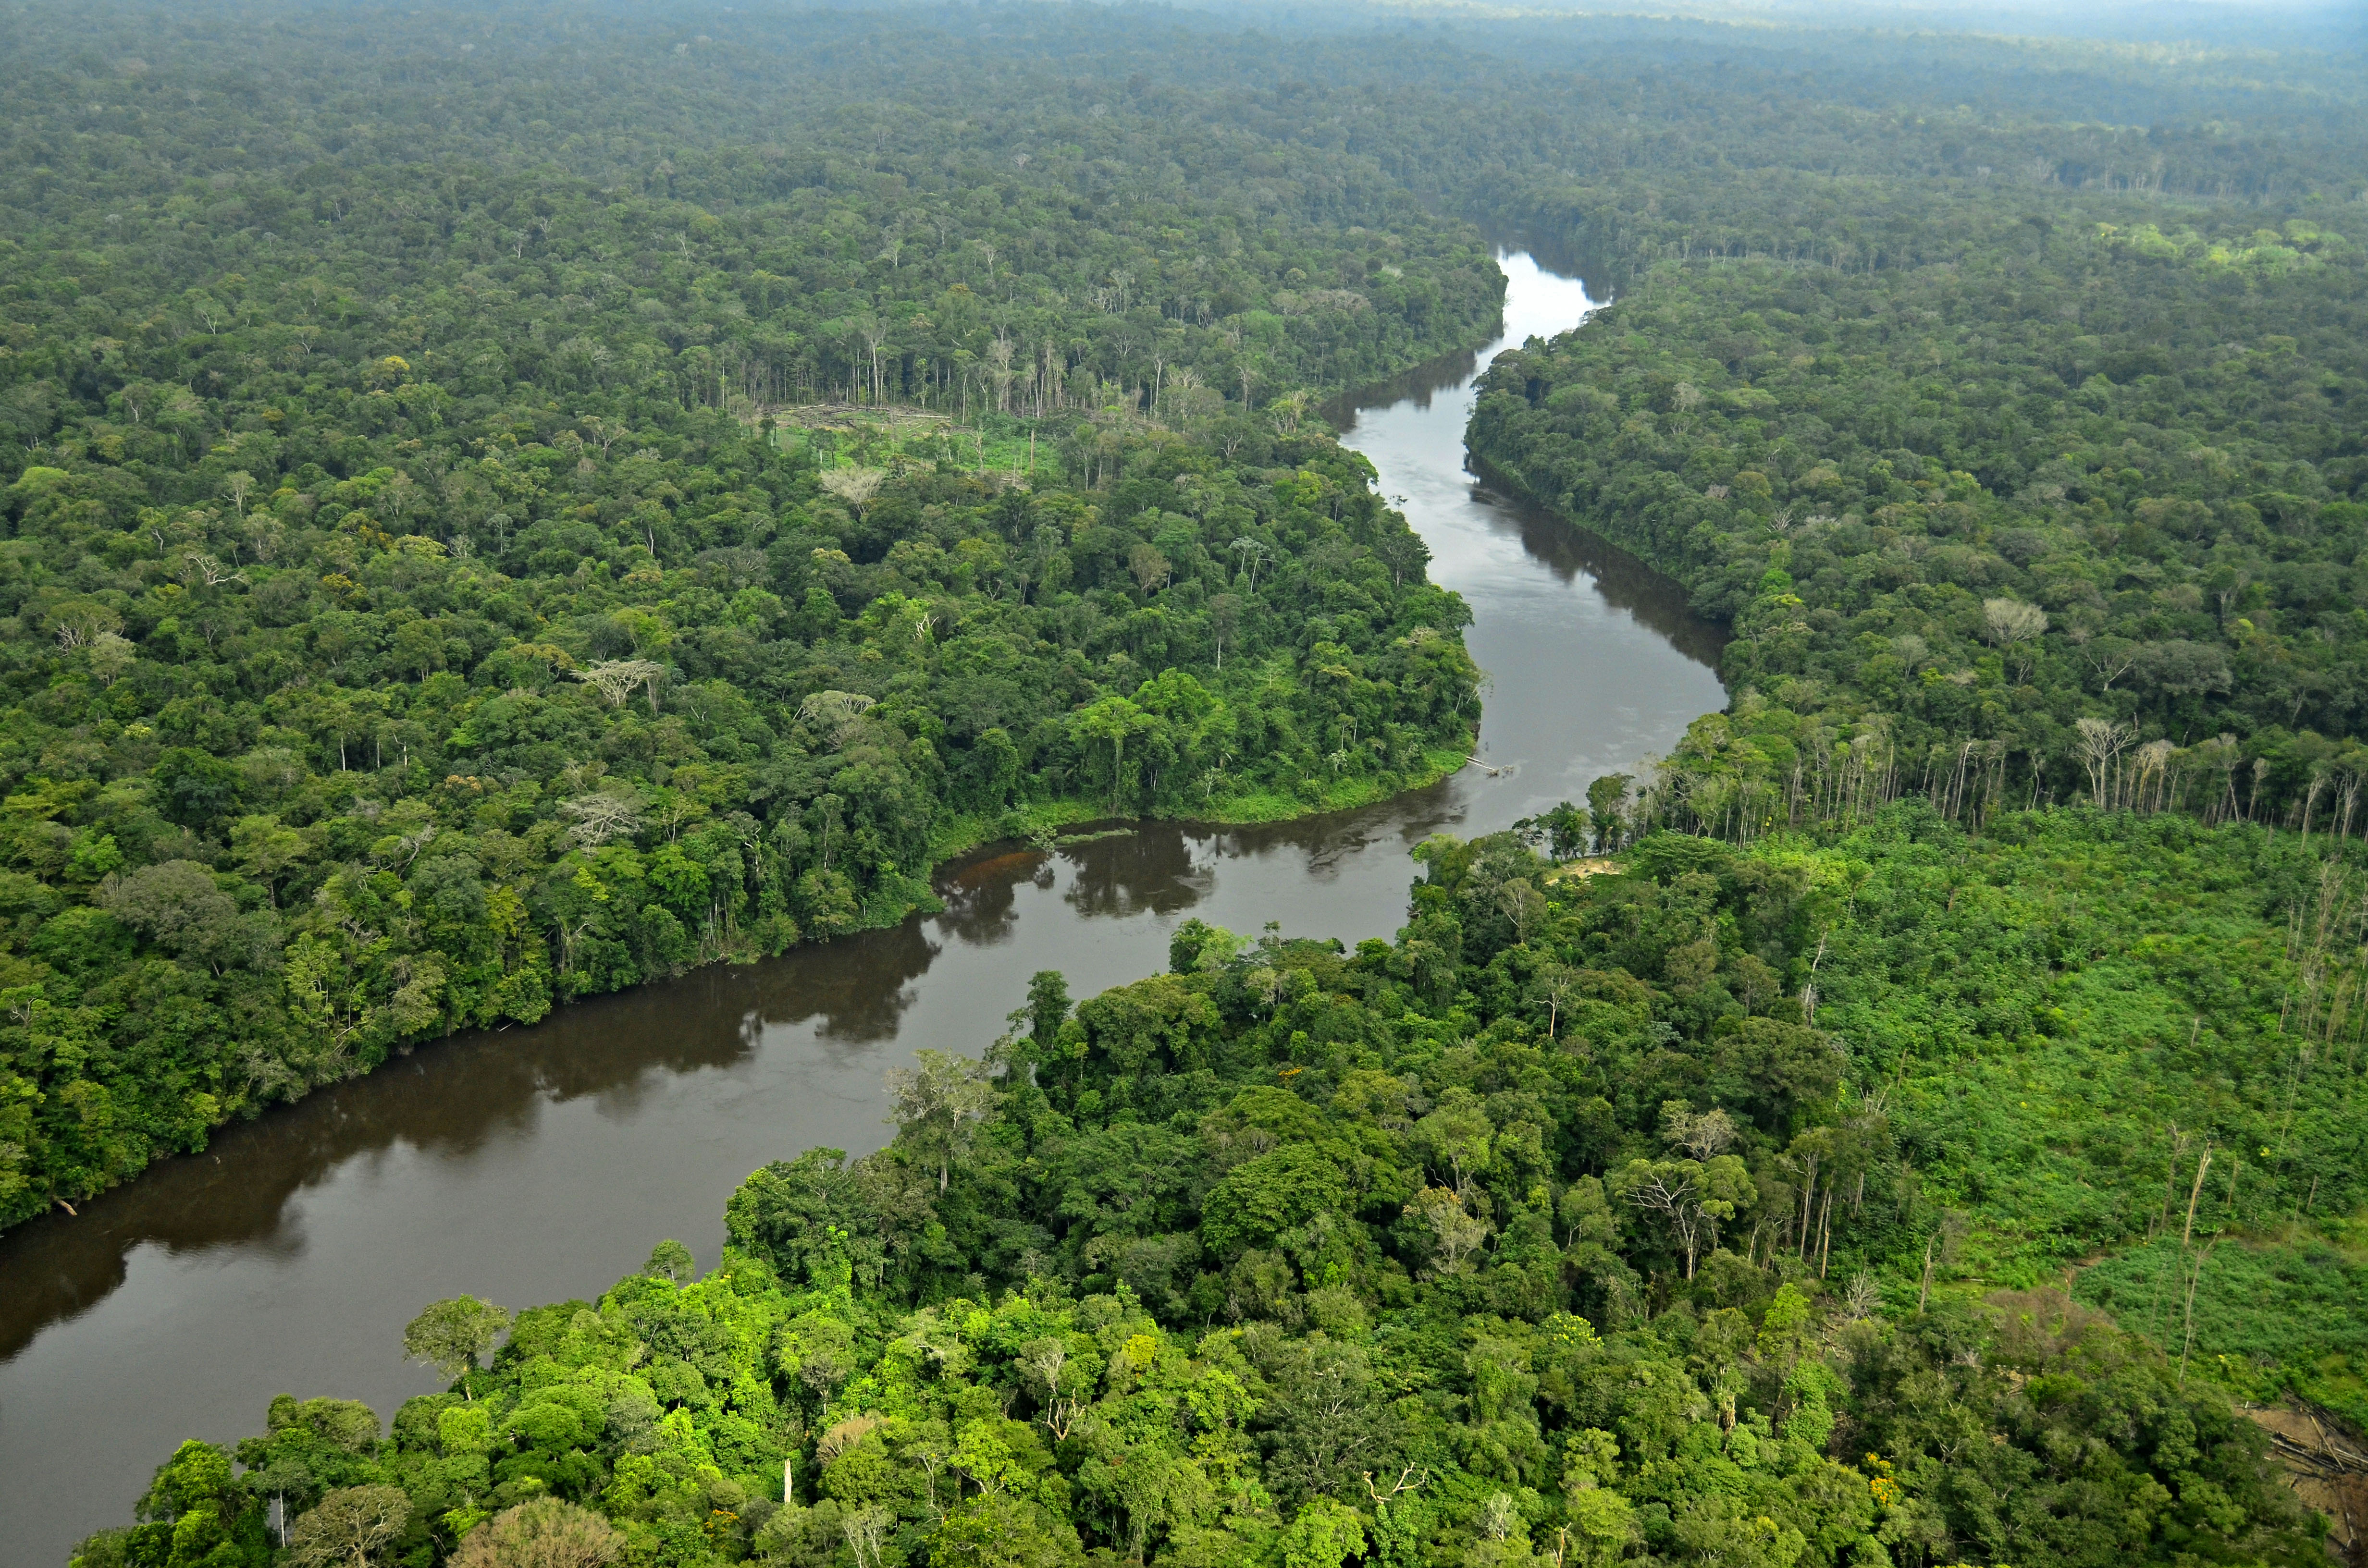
536	1165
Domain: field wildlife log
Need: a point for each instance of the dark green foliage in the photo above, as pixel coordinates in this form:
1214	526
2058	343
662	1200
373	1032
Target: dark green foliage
2040	492
420	617
1704	1206
1289	1220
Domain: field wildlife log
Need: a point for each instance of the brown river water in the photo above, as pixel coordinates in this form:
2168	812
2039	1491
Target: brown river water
534	1165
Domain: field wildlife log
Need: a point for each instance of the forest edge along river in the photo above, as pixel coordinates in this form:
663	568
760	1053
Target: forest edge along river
539	1164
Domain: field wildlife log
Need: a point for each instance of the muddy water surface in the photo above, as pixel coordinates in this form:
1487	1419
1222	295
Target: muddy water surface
535	1165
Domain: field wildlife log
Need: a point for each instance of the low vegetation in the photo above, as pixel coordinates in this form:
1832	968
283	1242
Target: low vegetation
1715	1207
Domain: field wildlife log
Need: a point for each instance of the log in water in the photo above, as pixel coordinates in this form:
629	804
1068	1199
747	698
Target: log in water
534	1165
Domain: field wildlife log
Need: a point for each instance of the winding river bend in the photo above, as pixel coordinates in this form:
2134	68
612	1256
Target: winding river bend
537	1164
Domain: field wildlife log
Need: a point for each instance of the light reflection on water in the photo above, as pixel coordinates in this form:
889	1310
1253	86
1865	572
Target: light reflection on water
534	1165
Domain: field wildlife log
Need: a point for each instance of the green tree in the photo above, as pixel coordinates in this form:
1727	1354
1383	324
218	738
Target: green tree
1606	802
1689	1197
936	1102
1112	719
450	1336
265	850
542	1533
673	1262
1325	1534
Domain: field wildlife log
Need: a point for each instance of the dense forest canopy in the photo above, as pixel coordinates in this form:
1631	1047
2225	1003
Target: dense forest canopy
2031	456
426	610
1712	1211
507	503
2092	473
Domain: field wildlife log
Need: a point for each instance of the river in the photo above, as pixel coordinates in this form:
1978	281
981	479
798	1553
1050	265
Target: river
534	1165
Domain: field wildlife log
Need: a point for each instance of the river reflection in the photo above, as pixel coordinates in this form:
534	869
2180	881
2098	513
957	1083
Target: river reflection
536	1165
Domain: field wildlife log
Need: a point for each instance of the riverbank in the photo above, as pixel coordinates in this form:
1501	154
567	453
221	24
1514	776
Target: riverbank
1045	826
537	1163
1037	822
1508	476
311	927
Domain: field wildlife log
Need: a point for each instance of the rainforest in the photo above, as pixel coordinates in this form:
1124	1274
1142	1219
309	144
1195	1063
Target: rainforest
509	507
